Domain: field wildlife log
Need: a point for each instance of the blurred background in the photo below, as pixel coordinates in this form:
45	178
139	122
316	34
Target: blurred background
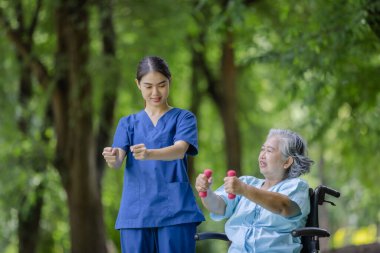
242	66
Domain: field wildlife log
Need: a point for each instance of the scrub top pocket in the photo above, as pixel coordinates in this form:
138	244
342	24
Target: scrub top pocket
181	198
131	200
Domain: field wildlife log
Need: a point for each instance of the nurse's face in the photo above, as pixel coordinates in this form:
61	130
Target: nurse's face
154	88
271	162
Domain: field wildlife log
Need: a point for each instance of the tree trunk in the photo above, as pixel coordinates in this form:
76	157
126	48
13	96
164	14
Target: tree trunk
73	122
196	95
29	213
29	222
223	93
222	89
227	105
112	75
76	146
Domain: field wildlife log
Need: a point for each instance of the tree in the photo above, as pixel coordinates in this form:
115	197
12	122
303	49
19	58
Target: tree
221	82
29	213
71	104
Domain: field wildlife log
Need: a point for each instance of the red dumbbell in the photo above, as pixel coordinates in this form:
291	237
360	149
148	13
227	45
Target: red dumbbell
208	174
231	173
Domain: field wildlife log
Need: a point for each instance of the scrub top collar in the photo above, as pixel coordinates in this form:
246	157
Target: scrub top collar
160	119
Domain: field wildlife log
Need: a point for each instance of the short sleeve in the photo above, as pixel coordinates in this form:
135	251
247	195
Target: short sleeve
120	139
298	191
231	204
187	131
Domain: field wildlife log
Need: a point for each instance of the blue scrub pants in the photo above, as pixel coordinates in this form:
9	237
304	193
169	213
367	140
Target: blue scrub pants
174	239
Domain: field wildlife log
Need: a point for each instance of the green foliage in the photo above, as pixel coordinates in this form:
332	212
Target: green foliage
329	64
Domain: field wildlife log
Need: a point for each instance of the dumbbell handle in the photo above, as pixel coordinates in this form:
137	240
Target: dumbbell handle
231	173
208	174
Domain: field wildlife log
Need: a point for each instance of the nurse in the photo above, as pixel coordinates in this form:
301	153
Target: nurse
267	209
158	212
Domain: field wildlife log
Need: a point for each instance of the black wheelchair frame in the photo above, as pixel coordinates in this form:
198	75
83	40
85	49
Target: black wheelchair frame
309	234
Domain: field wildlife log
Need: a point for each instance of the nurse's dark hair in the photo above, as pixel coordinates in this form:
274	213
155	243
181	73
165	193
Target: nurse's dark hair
292	144
152	63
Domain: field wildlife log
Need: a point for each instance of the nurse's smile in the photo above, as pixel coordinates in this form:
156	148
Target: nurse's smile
156	99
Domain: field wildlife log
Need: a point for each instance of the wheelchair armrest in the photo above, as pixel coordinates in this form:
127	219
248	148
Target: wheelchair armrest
210	235
310	231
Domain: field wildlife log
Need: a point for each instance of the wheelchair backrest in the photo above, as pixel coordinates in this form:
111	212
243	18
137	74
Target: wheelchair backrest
317	198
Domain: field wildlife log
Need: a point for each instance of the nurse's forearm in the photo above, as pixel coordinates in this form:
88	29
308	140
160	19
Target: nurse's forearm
174	152
214	203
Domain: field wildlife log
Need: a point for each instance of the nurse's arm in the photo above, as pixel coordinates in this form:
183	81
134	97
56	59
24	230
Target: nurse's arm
173	152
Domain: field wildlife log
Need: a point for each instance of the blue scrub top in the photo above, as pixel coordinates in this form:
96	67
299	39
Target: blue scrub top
157	193
253	229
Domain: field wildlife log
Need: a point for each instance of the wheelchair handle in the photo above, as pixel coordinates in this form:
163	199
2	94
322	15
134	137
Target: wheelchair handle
310	231
329	191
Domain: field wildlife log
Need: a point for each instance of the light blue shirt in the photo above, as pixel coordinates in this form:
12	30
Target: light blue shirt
254	229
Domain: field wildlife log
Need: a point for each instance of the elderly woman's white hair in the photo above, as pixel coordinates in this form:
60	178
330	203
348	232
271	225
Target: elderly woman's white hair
292	144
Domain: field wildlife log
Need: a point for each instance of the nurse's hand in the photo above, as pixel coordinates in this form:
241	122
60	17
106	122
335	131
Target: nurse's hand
203	183
140	152
113	156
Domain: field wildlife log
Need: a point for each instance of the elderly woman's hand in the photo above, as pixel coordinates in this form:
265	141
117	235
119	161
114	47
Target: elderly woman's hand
234	185
203	183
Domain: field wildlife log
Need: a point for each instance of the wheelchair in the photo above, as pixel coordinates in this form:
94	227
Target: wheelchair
309	234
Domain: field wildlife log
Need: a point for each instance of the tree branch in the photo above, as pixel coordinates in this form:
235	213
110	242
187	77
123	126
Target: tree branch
15	37
33	23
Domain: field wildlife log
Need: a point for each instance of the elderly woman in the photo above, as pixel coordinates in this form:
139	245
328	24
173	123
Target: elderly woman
265	211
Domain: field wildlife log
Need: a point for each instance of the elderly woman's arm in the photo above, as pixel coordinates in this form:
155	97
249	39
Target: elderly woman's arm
272	201
275	202
214	203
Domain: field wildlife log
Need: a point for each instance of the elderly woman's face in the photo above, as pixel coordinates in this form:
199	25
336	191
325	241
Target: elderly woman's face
271	161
